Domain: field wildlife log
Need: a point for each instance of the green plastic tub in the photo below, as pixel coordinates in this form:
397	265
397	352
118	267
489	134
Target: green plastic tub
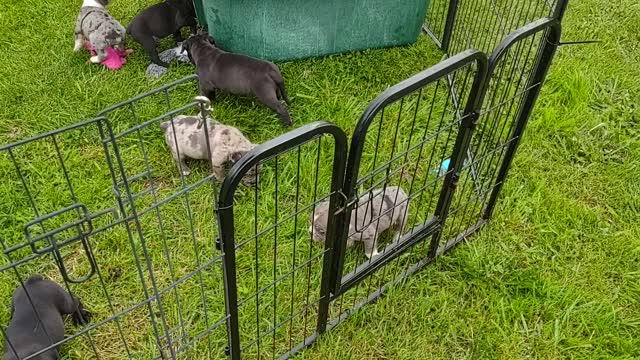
280	30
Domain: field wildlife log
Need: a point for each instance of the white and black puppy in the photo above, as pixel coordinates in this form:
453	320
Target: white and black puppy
187	139
159	21
96	26
376	211
236	74
36	319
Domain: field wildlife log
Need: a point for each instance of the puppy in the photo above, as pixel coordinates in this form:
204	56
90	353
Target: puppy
236	74
29	332
186	139
375	212
96	26
159	21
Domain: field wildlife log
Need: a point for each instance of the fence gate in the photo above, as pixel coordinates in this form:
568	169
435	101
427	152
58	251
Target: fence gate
413	136
272	269
171	225
282	288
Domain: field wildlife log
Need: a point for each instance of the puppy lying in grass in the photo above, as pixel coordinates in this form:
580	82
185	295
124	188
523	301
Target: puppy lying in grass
159	21
376	212
236	74
186	139
29	332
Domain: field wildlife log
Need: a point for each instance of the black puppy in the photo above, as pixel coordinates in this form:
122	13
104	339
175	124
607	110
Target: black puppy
159	21
236	74
29	332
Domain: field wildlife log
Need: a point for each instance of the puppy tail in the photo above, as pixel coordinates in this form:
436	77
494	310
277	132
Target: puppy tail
277	78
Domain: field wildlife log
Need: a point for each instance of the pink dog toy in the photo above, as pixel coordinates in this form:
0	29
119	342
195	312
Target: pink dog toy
115	58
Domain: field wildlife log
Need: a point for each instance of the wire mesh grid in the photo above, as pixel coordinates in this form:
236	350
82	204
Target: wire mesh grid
169	270
141	253
278	268
510	83
482	24
408	144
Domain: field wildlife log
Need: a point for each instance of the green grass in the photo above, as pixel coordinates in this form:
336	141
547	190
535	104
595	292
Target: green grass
554	275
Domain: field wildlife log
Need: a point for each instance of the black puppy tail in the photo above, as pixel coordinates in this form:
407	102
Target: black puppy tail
277	78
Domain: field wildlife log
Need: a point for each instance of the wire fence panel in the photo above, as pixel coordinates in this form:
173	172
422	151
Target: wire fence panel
436	19
276	267
173	222
483	24
52	219
258	255
404	157
401	153
514	77
140	254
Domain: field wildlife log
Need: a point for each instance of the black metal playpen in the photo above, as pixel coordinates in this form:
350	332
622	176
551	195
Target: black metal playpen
188	268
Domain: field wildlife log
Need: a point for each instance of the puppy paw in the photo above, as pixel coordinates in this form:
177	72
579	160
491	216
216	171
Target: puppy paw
373	254
186	172
95	59
287	123
78	45
285	119
81	317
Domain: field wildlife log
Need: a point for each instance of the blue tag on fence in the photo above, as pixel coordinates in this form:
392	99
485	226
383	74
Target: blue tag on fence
442	169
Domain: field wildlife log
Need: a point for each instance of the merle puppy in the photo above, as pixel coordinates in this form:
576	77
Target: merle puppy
376	212
236	74
95	25
227	145
159	21
29	332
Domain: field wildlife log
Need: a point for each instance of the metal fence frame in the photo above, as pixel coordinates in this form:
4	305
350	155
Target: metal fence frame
334	284
469	98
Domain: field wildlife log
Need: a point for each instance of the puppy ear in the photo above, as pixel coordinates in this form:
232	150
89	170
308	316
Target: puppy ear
165	125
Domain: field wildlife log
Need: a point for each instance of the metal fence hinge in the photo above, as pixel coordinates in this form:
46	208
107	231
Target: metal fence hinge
455	177
205	109
347	203
475	118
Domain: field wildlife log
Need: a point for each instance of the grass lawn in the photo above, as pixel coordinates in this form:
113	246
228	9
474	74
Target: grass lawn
554	274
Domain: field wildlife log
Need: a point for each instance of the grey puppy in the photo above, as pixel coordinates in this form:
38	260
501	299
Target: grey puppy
236	74
30	332
95	25
159	21
187	139
377	211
